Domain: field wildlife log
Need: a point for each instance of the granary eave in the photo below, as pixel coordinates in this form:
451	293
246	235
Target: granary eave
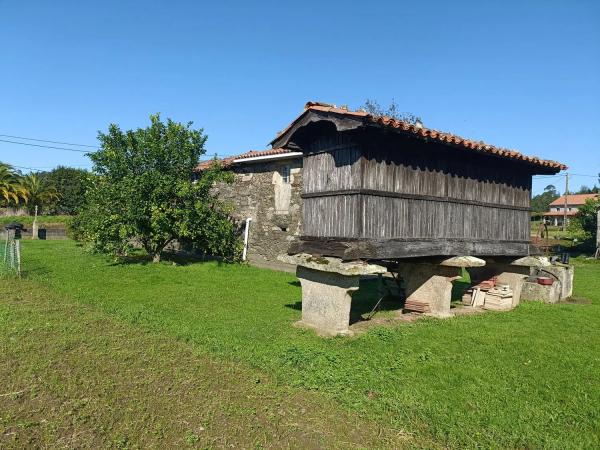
341	122
344	119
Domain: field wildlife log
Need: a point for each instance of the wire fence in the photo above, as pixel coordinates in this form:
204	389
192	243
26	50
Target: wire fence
10	255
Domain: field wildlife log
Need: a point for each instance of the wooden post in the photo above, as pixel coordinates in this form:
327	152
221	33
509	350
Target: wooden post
18	256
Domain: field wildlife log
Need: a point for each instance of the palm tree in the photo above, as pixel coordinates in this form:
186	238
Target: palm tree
40	192
12	191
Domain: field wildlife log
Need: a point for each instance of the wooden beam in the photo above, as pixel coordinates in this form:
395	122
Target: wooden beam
431	198
350	249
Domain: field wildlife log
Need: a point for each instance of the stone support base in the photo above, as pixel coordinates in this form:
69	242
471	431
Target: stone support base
428	287
564	275
546	294
326	300
327	288
515	282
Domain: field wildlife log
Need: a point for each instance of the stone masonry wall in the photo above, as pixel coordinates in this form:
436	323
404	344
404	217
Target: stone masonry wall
260	191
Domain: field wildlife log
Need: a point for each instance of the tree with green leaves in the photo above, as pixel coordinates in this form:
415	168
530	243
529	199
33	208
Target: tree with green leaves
12	191
71	185
145	193
393	111
541	203
40	192
586	219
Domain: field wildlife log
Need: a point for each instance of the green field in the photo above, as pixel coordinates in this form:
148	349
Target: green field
524	379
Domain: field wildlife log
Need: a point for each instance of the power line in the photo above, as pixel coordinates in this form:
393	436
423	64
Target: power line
582	175
44	140
47	146
547	177
41	169
33	169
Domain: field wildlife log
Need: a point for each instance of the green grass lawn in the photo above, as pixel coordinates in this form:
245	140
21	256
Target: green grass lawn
529	378
72	376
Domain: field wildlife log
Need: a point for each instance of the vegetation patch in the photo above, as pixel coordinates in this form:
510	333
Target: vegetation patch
74	377
525	378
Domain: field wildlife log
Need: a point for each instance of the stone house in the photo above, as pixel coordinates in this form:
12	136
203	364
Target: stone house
557	212
266	197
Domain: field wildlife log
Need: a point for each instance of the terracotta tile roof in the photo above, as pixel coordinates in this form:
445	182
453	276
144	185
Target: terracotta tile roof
573	199
228	161
428	133
559	213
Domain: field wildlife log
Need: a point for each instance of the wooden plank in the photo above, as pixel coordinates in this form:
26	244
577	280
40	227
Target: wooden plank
431	198
406	248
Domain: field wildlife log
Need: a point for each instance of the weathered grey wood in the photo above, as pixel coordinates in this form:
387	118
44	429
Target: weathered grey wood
379	193
406	248
374	194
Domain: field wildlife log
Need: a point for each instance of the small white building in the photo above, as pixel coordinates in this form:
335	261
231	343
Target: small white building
557	214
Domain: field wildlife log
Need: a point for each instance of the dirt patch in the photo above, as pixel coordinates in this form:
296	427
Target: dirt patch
577	301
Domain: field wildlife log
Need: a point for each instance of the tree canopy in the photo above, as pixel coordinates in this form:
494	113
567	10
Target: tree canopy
70	184
145	193
12	191
586	219
393	111
40	192
541	203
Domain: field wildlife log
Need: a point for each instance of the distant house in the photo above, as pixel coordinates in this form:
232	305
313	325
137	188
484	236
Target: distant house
557	214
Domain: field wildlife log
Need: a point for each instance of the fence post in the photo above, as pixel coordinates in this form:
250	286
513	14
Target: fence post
18	254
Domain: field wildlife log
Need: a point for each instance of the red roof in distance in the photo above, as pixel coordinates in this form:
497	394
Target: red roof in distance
573	199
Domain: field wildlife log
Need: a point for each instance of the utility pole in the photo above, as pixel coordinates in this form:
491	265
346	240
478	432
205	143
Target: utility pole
566	202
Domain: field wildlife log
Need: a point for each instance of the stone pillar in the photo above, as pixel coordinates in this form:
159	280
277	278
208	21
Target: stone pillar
327	288
564	275
429	284
34	230
515	281
432	297
537	292
326	300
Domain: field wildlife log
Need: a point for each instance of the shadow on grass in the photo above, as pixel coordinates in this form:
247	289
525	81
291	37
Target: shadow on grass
297	305
179	259
363	301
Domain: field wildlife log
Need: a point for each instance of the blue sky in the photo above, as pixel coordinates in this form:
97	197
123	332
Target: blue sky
523	75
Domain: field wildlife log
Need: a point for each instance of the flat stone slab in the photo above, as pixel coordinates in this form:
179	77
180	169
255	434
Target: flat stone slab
334	265
532	261
463	261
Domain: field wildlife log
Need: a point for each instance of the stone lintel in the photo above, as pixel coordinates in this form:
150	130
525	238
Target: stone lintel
334	265
531	261
463	261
